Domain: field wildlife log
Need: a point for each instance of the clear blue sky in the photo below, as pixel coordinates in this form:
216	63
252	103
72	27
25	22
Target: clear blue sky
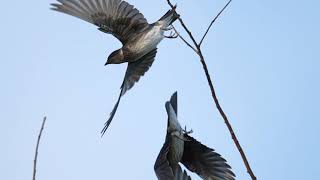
263	57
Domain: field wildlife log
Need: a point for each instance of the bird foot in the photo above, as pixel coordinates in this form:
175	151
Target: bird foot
172	35
167	28
187	132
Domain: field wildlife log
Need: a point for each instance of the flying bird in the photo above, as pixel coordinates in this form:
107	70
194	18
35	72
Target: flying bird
139	38
179	147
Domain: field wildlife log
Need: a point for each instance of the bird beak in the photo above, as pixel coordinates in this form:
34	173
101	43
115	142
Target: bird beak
106	63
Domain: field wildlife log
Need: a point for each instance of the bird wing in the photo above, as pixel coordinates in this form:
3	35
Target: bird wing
205	161
161	166
163	169
134	71
115	17
137	69
181	175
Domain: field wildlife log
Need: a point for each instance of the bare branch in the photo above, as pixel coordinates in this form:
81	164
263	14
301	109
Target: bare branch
184	40
213	92
205	34
184	26
37	147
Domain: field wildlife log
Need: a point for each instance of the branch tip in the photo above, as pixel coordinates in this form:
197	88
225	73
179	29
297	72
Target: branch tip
37	148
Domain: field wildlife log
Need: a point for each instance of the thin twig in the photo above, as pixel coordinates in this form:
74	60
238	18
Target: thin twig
213	92
37	147
215	18
185	41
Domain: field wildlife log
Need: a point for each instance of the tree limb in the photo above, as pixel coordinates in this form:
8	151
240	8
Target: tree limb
213	92
37	147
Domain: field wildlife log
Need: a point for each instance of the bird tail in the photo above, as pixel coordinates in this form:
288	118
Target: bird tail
170	16
174	102
113	112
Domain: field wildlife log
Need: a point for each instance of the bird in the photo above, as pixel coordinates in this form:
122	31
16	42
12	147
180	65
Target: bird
122	20
180	147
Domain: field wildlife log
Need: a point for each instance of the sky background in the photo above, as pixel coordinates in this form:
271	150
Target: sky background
263	57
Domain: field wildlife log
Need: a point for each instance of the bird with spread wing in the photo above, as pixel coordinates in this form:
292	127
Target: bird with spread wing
180	147
139	38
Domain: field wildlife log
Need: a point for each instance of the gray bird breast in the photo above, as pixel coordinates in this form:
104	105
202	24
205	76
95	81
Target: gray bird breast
146	41
176	150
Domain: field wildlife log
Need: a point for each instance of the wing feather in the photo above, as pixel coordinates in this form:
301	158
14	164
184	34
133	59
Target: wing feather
181	175
161	166
115	17
137	69
205	161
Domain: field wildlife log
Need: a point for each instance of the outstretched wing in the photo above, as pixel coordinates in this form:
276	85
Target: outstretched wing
134	71
205	161
115	17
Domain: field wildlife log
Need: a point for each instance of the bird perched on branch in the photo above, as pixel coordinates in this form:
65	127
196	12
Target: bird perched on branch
179	147
127	24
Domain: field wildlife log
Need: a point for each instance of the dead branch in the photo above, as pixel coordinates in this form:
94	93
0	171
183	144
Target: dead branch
197	49
37	147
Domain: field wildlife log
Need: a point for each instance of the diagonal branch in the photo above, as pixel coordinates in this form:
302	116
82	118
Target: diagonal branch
185	41
184	26
37	147
215	18
213	92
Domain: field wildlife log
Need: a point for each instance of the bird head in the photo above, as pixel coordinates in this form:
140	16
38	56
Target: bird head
116	57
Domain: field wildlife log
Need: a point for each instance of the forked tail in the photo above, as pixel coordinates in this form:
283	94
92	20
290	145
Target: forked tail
113	112
170	16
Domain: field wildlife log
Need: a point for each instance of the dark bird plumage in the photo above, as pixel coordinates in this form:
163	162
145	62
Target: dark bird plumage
128	25
179	147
